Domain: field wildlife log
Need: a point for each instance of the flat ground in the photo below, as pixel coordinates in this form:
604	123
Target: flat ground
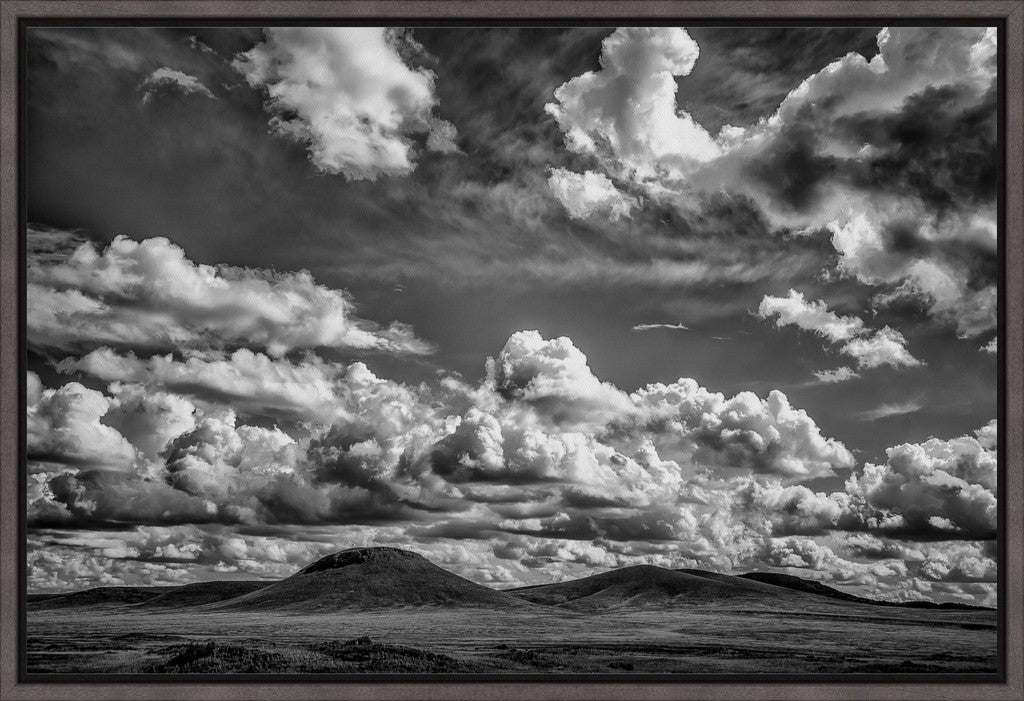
845	638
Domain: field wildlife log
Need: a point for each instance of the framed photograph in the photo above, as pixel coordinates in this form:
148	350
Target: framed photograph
480	350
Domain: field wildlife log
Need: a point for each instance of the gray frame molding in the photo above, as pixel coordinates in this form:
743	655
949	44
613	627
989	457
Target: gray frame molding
12	12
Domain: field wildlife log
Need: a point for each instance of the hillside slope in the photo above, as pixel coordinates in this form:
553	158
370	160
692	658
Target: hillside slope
371	578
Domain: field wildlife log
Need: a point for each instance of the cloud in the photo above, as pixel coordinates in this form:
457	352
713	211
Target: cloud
539	436
837	375
63	426
885	411
148	294
868	347
939	489
348	94
310	389
626	111
168	78
807	554
553	376
765	436
945	285
540	465
650	327
991	347
792	509
590	193
913	215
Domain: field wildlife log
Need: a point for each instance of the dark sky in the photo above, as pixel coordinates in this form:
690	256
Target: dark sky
470	245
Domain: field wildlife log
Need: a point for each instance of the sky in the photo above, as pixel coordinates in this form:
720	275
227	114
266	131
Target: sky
534	302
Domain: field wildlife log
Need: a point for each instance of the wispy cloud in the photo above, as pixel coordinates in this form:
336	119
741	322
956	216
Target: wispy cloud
884	411
838	375
650	327
169	78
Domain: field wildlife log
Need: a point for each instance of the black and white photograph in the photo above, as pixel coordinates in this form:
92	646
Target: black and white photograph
568	349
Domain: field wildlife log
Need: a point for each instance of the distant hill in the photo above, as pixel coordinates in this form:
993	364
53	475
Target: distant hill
388	578
100	596
202	593
646	585
371	578
808	585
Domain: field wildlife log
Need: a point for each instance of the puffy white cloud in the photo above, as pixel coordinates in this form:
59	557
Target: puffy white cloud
807	554
553	375
793	509
148	294
217	458
626	115
63	426
348	95
886	346
626	112
541	465
589	193
939	489
870	348
149	418
795	310
991	347
163	78
764	436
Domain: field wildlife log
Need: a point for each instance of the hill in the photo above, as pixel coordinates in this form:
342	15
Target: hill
99	596
202	593
646	585
812	587
371	578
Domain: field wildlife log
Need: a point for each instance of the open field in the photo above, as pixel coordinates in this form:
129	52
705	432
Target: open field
701	640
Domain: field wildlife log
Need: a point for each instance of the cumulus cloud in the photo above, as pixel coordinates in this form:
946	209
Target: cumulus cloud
348	95
148	294
540	465
626	111
554	376
870	348
63	426
939	489
808	554
584	195
792	509
362	448
991	347
168	78
761	435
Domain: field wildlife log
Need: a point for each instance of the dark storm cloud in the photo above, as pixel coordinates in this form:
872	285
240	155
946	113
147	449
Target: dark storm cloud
792	169
940	147
743	76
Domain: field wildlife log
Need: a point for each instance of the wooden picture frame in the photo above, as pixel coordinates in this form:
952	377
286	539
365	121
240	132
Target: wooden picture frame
15	15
